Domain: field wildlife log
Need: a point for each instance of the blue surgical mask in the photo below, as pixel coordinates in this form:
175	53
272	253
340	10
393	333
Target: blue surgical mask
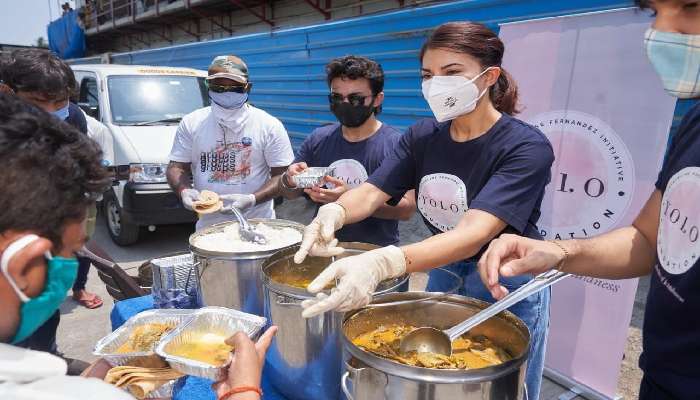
229	100
61	113
676	59
60	276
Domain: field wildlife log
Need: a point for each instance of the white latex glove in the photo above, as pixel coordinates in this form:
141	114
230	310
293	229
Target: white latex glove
188	196
240	201
358	279
319	236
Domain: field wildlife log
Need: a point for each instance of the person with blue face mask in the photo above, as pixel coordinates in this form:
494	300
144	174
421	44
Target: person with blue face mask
231	148
664	239
53	173
42	80
41	229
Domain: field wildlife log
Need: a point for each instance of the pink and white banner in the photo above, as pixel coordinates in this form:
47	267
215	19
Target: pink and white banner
585	82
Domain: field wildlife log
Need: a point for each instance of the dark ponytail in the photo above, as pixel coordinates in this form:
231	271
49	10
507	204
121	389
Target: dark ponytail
478	41
504	94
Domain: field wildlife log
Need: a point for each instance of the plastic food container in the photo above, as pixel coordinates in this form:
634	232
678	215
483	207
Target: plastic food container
312	176
207	320
107	346
175	283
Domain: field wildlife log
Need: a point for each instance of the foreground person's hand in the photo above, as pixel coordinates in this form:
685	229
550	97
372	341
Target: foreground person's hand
512	255
358	278
319	236
98	369
246	365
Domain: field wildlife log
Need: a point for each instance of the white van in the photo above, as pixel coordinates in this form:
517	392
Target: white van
141	106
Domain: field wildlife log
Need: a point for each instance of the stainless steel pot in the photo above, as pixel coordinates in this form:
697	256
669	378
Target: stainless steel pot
305	358
370	377
233	280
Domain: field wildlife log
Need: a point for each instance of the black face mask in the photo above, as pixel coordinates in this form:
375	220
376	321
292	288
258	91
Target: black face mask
350	115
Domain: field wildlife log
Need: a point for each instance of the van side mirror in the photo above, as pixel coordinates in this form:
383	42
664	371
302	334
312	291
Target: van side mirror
93	111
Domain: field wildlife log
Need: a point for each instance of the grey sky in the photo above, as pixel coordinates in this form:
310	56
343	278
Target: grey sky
23	21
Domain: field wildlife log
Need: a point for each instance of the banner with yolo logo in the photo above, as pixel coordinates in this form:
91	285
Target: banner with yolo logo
586	83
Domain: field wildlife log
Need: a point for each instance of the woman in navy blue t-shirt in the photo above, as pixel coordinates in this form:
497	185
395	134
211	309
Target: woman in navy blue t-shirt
477	171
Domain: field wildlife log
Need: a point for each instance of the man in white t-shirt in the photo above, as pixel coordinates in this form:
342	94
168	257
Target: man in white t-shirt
230	148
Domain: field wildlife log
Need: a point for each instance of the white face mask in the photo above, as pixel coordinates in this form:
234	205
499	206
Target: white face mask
452	96
229	116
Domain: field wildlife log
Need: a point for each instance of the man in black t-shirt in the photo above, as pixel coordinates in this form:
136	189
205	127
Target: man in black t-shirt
663	241
355	147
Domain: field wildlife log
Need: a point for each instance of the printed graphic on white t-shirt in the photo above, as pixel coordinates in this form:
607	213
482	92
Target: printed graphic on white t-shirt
350	171
442	199
229	161
678	240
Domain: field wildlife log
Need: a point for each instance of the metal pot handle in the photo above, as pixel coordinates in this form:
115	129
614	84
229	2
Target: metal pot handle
286	301
344	385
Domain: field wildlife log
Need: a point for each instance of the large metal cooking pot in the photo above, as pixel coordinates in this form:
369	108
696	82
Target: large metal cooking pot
305	358
370	377
233	280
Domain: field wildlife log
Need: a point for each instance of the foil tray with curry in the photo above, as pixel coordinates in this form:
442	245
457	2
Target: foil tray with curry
207	347
144	337
469	352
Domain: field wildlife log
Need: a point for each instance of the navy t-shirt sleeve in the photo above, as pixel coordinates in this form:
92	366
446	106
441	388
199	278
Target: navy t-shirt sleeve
508	194
397	174
305	151
686	130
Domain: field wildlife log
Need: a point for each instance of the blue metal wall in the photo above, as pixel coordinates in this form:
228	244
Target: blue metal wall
287	67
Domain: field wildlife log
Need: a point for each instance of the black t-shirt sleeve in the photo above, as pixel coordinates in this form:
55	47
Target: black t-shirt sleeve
681	144
76	118
508	193
397	174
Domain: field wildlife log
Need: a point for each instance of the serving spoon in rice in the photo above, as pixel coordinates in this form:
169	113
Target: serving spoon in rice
245	230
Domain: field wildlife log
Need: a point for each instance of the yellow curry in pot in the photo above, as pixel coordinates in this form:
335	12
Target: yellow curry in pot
468	352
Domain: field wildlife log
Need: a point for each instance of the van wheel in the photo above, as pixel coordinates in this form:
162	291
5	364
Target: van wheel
121	232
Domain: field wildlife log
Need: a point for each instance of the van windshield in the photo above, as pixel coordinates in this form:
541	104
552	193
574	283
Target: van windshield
147	99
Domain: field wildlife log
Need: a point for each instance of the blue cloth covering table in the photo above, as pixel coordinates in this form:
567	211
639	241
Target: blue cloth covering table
189	387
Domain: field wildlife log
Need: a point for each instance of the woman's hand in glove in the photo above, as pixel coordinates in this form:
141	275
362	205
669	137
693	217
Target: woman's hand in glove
358	278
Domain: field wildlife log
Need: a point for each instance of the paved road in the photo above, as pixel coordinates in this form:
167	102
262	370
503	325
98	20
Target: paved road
80	328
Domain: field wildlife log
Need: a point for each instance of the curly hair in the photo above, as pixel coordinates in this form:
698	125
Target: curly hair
41	71
51	172
355	67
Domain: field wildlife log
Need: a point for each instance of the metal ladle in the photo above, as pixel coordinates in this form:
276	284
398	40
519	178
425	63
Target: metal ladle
430	340
245	230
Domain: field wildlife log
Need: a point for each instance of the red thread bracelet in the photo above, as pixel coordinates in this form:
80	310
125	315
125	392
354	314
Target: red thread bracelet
241	389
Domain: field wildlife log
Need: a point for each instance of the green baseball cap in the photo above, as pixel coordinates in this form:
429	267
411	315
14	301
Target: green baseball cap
229	67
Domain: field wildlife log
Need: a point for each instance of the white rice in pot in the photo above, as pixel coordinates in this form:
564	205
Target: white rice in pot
229	241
